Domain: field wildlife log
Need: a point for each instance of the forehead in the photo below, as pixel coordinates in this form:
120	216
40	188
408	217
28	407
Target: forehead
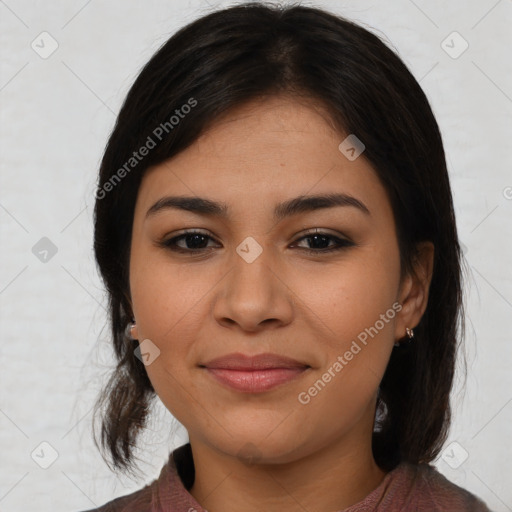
264	152
276	130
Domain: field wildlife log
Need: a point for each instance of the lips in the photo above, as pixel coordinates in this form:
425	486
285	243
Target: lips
265	361
254	374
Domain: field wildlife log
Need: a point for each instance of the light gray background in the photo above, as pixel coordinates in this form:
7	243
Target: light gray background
56	115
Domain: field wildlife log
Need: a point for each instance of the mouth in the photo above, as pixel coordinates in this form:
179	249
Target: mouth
254	374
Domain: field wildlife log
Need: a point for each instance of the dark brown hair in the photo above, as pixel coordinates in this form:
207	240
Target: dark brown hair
252	51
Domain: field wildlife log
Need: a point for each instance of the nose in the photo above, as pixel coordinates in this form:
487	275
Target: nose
254	295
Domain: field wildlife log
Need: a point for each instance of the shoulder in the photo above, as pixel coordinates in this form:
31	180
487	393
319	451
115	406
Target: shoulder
430	490
138	501
142	500
418	487
167	492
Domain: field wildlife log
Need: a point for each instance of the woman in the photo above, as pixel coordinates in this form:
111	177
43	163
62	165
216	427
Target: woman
275	228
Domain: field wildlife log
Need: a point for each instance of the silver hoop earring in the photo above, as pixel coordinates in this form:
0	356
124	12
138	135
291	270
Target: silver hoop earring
410	336
128	331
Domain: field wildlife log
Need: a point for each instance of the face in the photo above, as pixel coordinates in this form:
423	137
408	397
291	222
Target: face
318	284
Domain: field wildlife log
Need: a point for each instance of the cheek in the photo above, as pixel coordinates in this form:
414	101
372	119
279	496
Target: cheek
166	296
347	300
167	307
353	305
357	351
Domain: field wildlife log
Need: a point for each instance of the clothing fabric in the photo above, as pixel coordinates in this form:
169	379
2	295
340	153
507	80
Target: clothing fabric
407	488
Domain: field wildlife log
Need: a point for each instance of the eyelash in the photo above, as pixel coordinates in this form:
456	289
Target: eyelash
341	243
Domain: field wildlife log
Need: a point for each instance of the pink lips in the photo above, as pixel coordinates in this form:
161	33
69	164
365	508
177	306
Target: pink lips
254	374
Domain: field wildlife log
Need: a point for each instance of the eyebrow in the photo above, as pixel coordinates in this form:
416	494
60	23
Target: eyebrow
300	204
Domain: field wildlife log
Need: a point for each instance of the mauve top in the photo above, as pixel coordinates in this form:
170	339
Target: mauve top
406	488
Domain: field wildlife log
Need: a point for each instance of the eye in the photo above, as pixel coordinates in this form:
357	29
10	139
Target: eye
319	238
193	240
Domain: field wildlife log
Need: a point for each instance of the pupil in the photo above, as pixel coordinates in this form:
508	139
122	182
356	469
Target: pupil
196	243
316	238
196	240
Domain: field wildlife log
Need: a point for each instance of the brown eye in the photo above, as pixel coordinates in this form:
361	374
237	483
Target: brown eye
194	241
190	242
319	243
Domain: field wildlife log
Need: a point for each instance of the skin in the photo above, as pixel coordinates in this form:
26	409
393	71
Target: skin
315	456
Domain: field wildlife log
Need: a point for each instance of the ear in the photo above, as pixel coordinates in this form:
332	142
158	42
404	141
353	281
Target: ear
414	289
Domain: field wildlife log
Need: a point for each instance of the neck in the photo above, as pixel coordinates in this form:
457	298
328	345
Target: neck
337	475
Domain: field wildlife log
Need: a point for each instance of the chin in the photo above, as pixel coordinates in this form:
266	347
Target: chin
259	449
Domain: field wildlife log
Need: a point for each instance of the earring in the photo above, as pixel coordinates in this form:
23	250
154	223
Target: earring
410	335
128	331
